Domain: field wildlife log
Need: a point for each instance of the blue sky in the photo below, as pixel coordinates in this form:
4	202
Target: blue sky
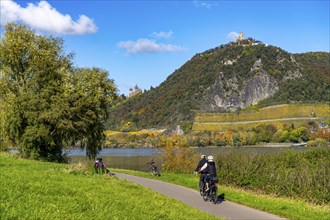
143	42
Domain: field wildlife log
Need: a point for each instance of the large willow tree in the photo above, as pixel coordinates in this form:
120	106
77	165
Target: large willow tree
47	105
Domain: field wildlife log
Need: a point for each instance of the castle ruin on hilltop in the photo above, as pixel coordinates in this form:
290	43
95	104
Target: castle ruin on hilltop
134	91
241	41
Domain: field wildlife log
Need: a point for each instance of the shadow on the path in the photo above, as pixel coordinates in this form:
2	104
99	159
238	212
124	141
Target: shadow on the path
221	198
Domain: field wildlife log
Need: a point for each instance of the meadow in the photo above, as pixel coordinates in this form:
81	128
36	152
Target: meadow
42	190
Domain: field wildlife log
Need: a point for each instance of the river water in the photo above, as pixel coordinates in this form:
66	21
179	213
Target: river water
137	158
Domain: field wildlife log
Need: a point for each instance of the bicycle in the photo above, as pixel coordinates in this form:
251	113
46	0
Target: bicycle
201	184
211	194
153	168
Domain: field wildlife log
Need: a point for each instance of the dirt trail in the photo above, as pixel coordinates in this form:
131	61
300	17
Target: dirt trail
224	209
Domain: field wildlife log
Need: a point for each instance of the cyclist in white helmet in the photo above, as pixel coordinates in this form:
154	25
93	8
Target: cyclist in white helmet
210	169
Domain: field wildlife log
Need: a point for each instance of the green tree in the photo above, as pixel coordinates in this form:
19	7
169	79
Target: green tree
49	104
294	135
285	136
31	68
265	132
88	95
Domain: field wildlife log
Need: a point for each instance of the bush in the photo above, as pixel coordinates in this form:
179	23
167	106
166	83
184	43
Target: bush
177	156
304	175
4	144
317	143
3	147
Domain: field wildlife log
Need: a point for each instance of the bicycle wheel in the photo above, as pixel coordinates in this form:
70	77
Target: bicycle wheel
206	195
214	196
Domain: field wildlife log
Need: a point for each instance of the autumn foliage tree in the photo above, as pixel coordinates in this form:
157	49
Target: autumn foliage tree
177	155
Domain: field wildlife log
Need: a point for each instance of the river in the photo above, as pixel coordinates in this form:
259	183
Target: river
137	158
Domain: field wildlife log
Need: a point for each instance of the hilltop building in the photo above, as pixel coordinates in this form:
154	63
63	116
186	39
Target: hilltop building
134	91
241	41
241	36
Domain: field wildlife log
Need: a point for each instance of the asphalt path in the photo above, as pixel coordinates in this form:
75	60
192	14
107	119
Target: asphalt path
223	209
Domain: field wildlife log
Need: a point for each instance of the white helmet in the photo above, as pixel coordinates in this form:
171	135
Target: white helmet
203	156
210	158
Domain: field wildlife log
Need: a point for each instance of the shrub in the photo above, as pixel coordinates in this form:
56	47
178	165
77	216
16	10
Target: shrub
318	142
177	156
304	175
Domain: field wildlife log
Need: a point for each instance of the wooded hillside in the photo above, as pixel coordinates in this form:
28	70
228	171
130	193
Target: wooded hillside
227	78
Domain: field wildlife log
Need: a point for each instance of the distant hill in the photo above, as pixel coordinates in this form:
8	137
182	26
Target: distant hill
227	78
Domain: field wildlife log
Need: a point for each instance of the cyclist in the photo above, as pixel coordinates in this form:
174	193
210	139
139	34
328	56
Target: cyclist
210	169
153	168
203	173
100	167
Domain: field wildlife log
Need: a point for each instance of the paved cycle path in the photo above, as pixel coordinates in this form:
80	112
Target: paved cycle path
223	209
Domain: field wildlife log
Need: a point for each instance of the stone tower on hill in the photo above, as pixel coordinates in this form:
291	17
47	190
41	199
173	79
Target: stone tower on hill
134	91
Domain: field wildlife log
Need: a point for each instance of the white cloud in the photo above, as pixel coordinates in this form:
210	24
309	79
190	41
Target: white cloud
147	46
204	4
233	35
162	34
43	17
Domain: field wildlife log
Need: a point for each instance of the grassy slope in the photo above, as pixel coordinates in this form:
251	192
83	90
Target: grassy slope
273	113
40	190
292	209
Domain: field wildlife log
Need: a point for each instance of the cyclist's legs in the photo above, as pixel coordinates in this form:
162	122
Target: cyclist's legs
201	181
207	180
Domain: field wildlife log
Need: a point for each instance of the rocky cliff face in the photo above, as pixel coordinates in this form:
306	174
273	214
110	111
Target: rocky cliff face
232	93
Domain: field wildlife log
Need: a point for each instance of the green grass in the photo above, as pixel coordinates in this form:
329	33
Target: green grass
271	112
248	126
292	113
41	190
285	207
